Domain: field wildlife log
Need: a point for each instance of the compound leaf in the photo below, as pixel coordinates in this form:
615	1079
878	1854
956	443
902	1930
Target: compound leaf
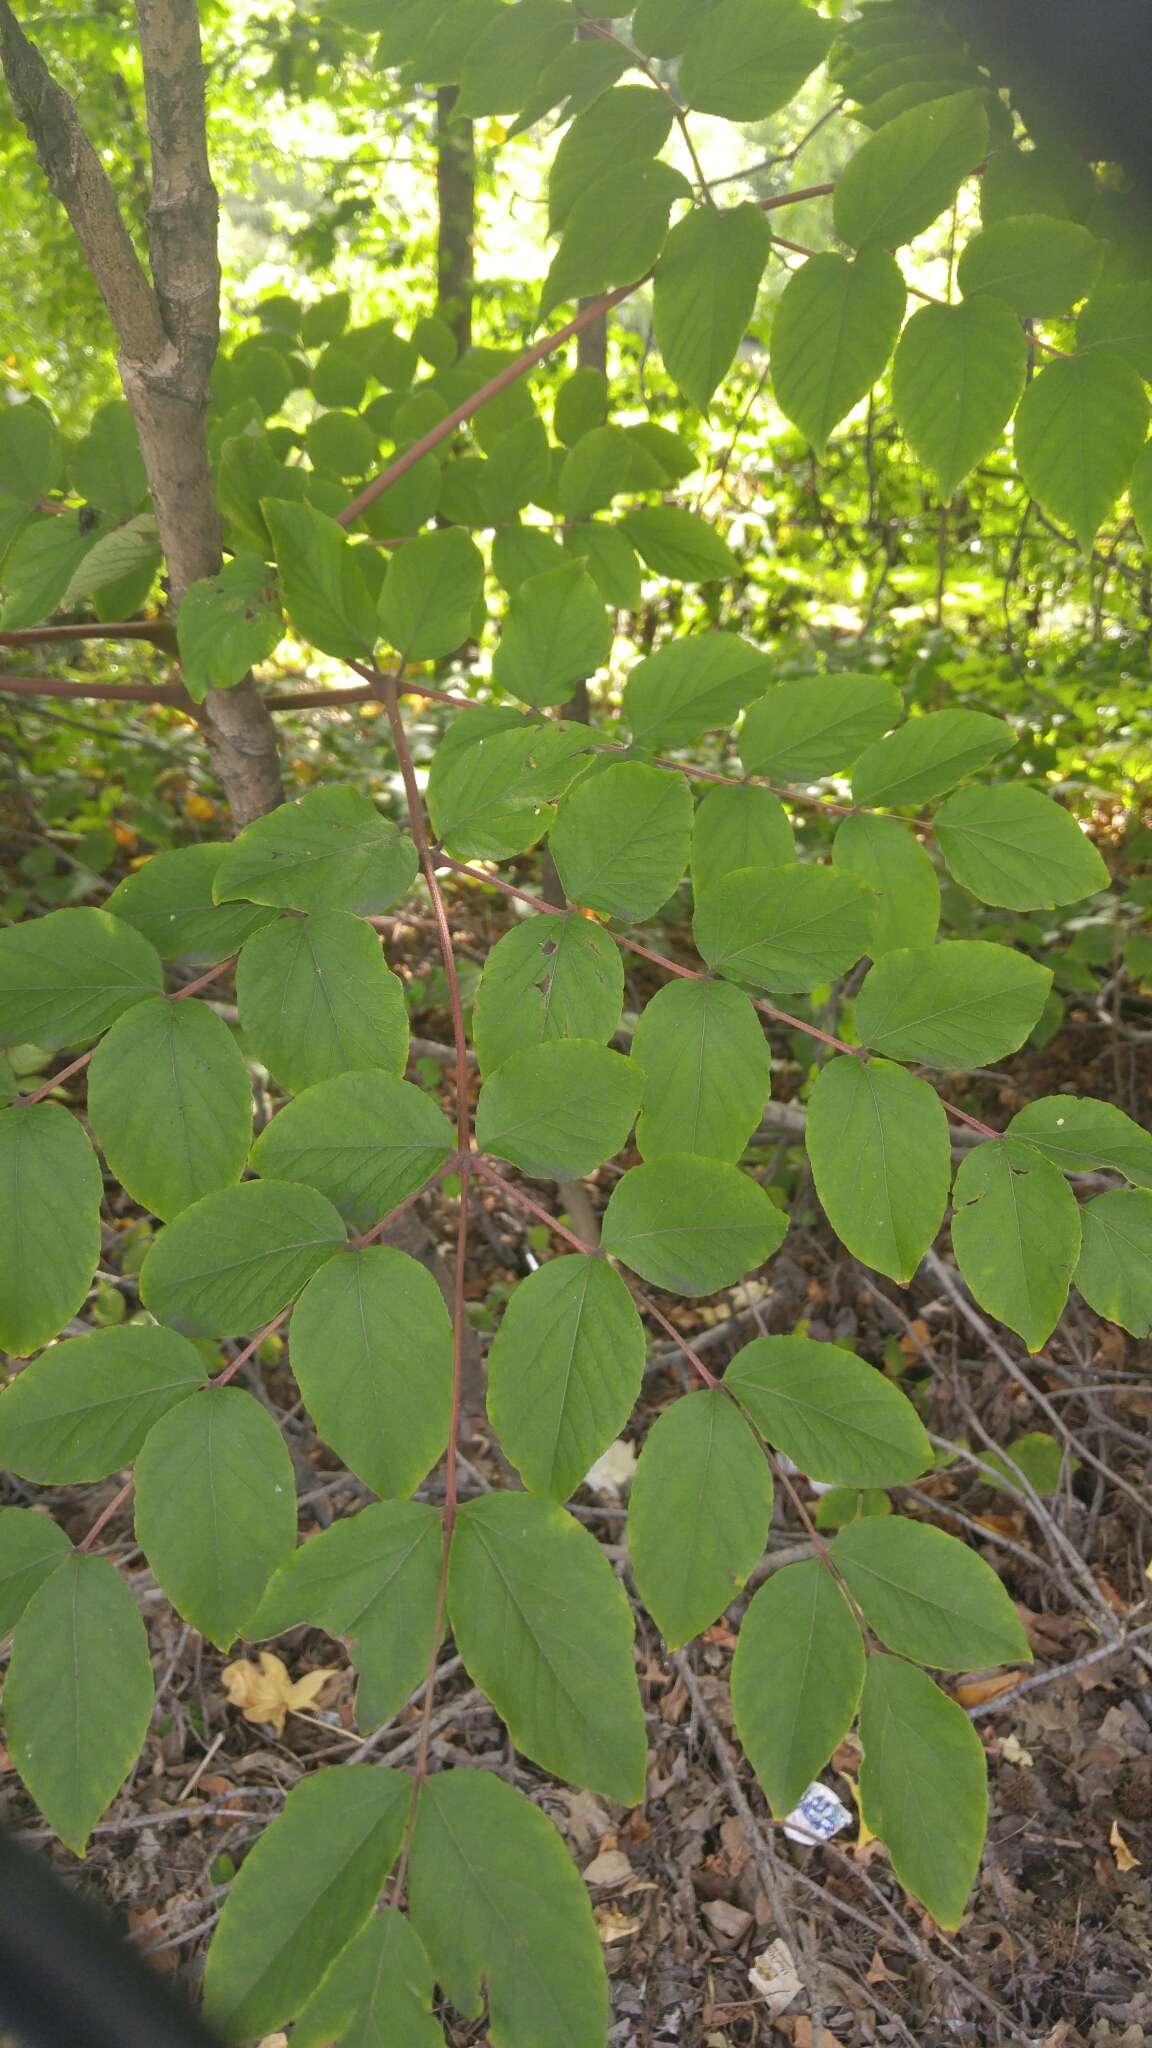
317	999
215	1507
963	1003
366	1140
544	1628
1115	1270
787	928
621	839
564	1371
227	1264
797	1677
50	1192
838	1419
331	850
691	1225
704	297
170	1103
698	1514
708	1070
1016	1236
303	1893
560	1109
82	1409
551	977
834	332
356	1331
66	977
923	1785
79	1694
878	1145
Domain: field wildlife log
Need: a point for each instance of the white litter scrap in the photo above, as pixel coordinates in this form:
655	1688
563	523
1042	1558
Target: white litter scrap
775	1978
819	1816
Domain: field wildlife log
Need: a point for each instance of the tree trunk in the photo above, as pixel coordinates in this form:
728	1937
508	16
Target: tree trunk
167	328
456	202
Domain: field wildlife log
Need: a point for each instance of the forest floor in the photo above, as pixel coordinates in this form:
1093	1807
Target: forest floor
716	1928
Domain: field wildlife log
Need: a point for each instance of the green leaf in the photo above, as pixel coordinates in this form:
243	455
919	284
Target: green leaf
881	1159
688	687
619	127
1038	1456
234	1258
708	1069
303	1893
1115	1270
925	757
372	1579
79	1694
82	1410
556	632
554	976
1016	1235
816	726
909	171
430	594
797	1677
66	977
1012	846
29	453
127	557
507	57
787	928
366	1140
170	1103
558	1110
32	1545
890	859
838	1419
745	59
661	27
927	1595
621	839
739	827
614	231
610	562
834	331
380	1989
1082	1136
675	542
107	469
1040	266
169	902
581	404
318	999
521	551
338	377
699	1513
704	298
1080	426
1050	178
50	1191
215	1507
491	777
356	1331
544	1628
321	579
1140	492
38	568
956	379
564	1371
923	1785
226	624
1118	321
341	443
655	1223
594	472
961	1004
331	850
500	1908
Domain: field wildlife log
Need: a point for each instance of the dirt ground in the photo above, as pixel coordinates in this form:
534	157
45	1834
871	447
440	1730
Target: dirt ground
716	1929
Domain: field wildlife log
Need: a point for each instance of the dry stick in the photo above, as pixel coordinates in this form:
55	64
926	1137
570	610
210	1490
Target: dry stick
693	974
1058	1671
1015	1372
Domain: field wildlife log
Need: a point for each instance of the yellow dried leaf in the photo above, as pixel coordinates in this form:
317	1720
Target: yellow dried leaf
1125	1860
266	1694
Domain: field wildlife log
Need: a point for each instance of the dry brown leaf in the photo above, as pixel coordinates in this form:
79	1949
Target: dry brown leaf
264	1692
611	1867
1125	1860
972	1692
